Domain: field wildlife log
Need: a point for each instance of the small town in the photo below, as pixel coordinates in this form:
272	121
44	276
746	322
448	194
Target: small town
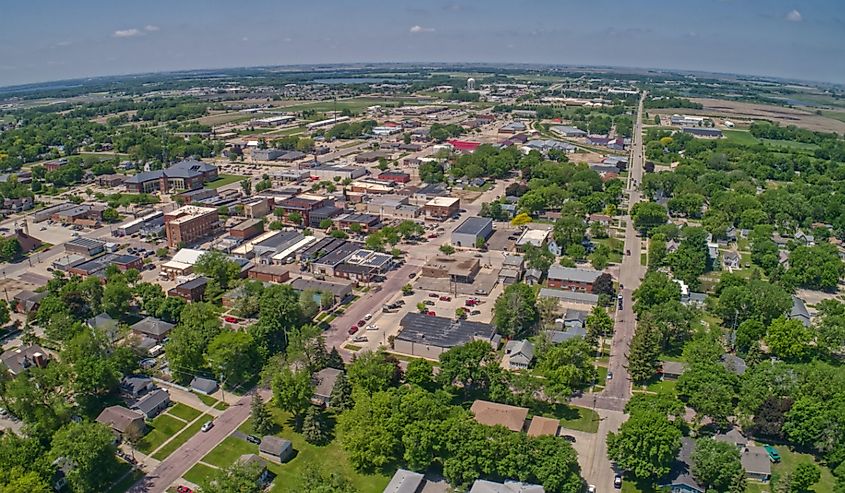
422	278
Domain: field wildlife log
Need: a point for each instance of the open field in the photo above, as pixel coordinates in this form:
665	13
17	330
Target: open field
790	144
224	180
737	111
743	137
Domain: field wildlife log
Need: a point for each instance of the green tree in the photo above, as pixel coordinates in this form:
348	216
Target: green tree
789	339
806	475
234	356
341	398
316	481
644	355
315	429
599	324
10	249
716	464
199	324
407	290
447	249
645	445
90	448
515	312
374	371
238	477
262	420
116	297
710	389
219	269
648	215
292	391
566	366
420	372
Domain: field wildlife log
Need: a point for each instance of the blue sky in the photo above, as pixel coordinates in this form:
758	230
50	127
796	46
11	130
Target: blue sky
45	40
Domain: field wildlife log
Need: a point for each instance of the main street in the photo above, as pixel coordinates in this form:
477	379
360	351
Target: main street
610	402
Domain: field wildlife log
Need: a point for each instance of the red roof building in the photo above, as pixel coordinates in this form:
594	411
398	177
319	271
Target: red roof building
464	145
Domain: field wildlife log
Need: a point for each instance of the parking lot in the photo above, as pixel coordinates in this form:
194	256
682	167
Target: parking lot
387	324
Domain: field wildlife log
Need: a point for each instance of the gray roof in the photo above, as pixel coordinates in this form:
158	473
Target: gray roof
681	472
756	460
193	283
571	296
404	481
571	274
558	336
799	311
20	359
324	381
274	445
673	367
337	289
135	383
575	315
102	321
89	243
520	348
442	331
733	436
484	486
204	385
734	363
152	401
152	326
473	226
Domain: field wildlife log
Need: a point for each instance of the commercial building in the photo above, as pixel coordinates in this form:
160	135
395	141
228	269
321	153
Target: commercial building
364	266
710	133
455	268
393	206
267	154
472	231
85	246
566	131
189	224
442	208
340	291
533	237
259	207
182	262
82	215
366	222
342	172
572	279
247	229
372	156
269	273
303	205
427	336
395	176
185	175
98	265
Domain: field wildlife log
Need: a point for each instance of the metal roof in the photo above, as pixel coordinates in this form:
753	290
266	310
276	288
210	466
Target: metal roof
473	226
571	274
442	331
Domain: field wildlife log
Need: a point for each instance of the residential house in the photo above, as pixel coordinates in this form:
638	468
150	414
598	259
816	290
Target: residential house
733	363
27	301
680	479
324	382
493	414
756	463
731	260
404	481
799	311
484	486
123	422
672	370
19	360
542	426
153	403
136	386
518	355
153	328
511	271
533	276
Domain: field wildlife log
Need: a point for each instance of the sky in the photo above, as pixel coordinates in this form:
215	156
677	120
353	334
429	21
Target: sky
44	40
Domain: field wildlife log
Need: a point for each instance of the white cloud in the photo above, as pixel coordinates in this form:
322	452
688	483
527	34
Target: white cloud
151	28
794	16
127	33
420	29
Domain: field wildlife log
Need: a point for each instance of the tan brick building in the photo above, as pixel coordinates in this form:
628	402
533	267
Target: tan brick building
188	224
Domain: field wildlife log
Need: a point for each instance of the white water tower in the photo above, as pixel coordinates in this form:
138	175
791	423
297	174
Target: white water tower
470	84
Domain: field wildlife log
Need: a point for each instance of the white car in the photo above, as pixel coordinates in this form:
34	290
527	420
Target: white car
207	426
372	327
360	339
368	316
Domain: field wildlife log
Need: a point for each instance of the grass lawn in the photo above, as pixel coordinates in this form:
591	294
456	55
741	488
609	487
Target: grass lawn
643	259
572	417
740	137
790	144
161	428
198	473
181	438
789	461
127	482
659	385
224	180
228	451
329	457
602	372
183	411
221	406
207	399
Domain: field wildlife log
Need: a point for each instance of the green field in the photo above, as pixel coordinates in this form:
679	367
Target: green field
572	417
183	411
329	457
743	137
228	451
181	438
790	144
836	115
160	429
224	180
199	473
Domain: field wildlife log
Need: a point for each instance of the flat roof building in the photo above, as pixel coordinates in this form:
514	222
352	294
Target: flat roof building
473	230
189	224
429	336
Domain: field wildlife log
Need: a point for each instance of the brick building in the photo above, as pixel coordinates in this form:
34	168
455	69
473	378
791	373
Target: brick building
188	224
572	279
442	207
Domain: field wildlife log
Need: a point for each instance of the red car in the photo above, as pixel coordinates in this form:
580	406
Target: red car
353	329
231	320
361	323
183	489
431	314
432	235
470	303
445	298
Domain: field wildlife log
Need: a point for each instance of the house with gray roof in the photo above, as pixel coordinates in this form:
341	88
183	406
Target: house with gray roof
324	382
799	311
672	370
518	355
570	296
275	448
733	363
756	463
152	327
405	481
484	486
153	403
205	386
135	386
680	479
19	360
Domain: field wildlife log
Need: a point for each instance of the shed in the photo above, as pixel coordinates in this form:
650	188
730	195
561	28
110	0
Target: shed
204	385
275	448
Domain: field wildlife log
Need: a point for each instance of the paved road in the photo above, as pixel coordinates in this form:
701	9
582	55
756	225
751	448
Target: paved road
172	468
611	401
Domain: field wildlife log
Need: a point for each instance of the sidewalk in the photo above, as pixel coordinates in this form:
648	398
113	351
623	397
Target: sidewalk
178	394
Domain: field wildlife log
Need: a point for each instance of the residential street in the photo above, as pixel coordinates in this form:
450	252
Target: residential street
611	401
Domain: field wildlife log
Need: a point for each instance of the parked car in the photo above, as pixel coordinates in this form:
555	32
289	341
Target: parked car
617	481
412	275
433	295
429	302
475	312
207	426
591	488
610	375
772	452
368	316
445	298
253	439
183	489
231	320
372	327
431	314
360	339
352	329
568	438
470	303
361	323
